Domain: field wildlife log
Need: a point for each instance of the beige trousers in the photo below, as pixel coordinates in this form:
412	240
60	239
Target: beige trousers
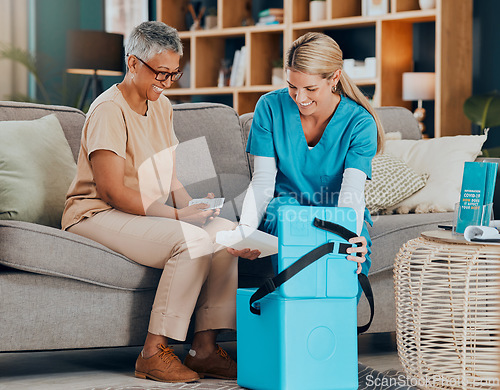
198	275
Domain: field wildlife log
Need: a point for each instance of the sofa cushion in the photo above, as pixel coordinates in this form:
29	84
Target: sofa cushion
36	169
43	312
211	155
399	119
44	250
390	232
71	119
443	160
392	181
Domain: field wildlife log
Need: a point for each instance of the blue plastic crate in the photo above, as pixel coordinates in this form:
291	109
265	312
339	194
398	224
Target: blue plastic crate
332	275
297	344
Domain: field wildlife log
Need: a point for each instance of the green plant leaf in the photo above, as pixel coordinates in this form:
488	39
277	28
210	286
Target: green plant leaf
484	110
277	63
26	59
18	55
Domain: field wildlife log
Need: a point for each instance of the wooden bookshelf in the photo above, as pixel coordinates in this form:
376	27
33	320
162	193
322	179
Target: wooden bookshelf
394	50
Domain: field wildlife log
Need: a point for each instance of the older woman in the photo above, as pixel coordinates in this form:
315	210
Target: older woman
126	172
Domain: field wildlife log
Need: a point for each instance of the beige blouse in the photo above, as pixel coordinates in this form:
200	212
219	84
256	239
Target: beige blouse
146	142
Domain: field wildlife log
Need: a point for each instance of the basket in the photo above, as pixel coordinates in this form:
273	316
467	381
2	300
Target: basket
447	314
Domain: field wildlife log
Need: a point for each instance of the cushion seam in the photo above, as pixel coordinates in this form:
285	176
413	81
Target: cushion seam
386	268
387	233
403	228
36	107
65	276
105	250
207	107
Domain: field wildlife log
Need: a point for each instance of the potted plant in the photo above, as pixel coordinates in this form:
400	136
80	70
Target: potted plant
26	59
484	111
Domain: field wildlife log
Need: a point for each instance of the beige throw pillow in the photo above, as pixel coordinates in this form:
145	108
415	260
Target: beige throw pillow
36	170
394	135
443	160
392	181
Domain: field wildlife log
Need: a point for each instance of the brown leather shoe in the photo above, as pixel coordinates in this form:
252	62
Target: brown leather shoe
217	365
164	366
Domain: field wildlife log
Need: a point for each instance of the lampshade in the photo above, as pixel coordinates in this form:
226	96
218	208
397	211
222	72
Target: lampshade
94	51
419	86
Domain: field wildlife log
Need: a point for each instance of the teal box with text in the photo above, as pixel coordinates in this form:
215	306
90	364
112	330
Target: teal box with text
476	195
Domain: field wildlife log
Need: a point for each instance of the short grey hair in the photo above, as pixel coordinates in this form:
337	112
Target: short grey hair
153	37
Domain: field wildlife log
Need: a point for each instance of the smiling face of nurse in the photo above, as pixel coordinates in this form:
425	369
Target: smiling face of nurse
313	93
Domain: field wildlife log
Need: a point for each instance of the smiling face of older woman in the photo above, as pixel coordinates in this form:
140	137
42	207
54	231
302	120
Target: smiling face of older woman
148	74
153	52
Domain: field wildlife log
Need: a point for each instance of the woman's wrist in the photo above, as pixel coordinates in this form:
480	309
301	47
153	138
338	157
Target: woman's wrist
159	209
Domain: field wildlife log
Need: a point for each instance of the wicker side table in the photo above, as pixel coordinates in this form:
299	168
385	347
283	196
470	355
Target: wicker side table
447	312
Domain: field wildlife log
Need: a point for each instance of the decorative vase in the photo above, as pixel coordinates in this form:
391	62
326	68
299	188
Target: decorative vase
427	4
317	10
210	22
278	76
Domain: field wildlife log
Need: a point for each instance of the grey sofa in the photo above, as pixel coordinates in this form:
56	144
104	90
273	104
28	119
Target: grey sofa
59	290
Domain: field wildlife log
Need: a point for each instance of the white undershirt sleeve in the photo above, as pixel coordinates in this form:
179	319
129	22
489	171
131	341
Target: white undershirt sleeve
352	194
260	191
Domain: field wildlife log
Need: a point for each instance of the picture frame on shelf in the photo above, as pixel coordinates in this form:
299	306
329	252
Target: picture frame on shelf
121	16
374	7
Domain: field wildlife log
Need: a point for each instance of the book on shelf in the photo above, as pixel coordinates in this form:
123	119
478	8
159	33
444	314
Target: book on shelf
242	67
271	11
476	195
267	23
238	70
270	20
236	60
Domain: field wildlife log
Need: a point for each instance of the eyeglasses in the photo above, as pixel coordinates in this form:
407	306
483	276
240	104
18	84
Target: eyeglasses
163	76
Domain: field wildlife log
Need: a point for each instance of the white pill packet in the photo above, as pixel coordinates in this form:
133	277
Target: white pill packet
215	203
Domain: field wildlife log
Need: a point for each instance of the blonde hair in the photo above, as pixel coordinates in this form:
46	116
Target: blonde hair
318	54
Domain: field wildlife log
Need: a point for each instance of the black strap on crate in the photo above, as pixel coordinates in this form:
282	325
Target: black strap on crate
272	284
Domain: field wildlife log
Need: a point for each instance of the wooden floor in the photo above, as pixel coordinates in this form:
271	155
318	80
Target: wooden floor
114	368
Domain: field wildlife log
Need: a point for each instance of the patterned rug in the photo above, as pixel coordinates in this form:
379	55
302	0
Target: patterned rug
369	379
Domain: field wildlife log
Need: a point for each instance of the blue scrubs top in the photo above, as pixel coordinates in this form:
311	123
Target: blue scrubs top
312	176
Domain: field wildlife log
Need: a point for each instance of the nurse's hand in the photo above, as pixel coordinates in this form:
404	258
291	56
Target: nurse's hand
357	254
246	253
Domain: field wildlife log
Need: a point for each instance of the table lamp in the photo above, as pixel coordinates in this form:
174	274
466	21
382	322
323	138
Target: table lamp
94	53
419	86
